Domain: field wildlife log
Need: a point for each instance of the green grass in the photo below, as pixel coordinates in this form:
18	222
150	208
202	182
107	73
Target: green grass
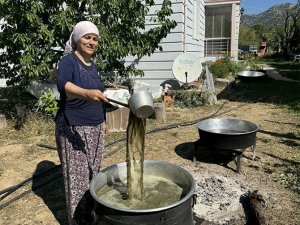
282	93
33	126
287	69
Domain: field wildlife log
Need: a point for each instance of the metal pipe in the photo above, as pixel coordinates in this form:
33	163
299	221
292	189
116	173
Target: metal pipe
119	103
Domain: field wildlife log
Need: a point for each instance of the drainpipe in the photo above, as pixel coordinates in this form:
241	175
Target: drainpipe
185	27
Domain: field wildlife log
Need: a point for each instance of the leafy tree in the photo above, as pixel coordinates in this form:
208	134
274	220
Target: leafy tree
248	36
287	36
36	32
262	32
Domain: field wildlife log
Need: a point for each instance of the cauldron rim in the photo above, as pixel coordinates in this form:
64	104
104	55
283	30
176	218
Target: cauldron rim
201	125
185	198
251	74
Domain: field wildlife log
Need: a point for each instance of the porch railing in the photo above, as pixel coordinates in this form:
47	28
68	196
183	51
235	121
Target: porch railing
215	47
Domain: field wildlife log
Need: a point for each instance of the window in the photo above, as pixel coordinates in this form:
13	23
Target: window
217	30
217	21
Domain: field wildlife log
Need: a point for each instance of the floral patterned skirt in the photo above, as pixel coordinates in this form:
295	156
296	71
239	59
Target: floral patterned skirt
80	149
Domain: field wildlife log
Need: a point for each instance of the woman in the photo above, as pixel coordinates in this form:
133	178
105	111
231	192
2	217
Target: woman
80	120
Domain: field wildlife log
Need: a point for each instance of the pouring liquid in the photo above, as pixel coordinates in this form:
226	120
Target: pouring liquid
135	146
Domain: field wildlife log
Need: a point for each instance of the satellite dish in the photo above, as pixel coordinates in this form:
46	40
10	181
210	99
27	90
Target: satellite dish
186	68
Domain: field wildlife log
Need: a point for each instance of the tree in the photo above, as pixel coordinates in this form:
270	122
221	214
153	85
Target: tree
248	36
36	32
287	35
262	32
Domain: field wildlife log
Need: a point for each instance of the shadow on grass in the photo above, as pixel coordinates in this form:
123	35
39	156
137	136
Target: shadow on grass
221	157
287	69
267	90
288	161
51	190
288	135
284	123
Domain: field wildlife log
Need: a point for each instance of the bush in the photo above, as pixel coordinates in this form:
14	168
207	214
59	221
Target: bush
219	69
188	98
48	104
224	67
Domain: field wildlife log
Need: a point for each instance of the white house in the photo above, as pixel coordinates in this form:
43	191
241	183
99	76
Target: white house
205	28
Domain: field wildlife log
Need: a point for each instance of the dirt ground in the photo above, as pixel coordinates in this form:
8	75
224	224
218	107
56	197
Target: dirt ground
278	141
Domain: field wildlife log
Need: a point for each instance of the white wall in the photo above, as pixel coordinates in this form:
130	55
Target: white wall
183	38
237	30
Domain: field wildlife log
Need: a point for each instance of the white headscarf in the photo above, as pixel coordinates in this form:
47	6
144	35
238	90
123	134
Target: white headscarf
82	28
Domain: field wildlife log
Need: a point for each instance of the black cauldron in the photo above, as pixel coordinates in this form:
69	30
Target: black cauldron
234	134
179	213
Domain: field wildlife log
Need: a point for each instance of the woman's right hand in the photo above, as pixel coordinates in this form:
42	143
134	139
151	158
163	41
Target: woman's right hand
95	95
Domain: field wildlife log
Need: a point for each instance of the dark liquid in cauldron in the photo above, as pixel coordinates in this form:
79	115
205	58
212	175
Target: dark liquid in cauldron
225	131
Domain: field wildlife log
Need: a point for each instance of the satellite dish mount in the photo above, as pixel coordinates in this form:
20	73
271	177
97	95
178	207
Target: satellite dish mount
186	85
186	69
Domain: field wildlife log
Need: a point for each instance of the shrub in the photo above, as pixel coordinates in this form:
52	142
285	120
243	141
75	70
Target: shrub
224	67
48	104
188	98
219	69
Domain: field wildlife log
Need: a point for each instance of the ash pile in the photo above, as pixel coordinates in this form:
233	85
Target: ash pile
219	199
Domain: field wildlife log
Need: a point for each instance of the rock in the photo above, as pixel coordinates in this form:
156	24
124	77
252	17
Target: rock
3	123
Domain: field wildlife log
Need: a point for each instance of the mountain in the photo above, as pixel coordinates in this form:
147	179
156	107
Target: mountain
270	17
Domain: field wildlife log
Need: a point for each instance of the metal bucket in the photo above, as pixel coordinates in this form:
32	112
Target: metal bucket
179	213
141	104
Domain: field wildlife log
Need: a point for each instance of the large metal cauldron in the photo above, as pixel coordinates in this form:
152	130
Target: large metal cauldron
179	213
232	134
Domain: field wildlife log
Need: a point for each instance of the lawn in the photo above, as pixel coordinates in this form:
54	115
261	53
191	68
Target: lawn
289	69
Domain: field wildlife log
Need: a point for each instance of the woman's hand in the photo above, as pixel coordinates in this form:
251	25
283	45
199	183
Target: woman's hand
96	96
105	128
93	95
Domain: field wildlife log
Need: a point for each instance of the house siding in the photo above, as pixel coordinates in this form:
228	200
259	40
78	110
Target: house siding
237	30
157	68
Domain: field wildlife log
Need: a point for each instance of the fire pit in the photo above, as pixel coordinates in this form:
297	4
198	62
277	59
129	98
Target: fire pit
179	213
230	134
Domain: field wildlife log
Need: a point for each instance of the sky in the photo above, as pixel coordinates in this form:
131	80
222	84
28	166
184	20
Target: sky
259	6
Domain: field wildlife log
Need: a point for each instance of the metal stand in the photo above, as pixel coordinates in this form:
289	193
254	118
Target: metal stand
238	153
186	85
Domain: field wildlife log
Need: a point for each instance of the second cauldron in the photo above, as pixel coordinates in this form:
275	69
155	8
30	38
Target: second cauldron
223	133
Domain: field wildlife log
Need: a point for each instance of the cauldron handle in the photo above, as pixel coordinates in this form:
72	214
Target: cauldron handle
194	200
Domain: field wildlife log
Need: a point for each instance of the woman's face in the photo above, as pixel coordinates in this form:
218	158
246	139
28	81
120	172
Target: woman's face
87	44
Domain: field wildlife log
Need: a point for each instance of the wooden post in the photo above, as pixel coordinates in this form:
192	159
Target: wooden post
160	112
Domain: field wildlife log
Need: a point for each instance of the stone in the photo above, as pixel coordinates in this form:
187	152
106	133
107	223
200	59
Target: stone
160	112
3	123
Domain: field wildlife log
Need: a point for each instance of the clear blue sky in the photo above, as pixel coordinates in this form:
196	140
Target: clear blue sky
259	6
